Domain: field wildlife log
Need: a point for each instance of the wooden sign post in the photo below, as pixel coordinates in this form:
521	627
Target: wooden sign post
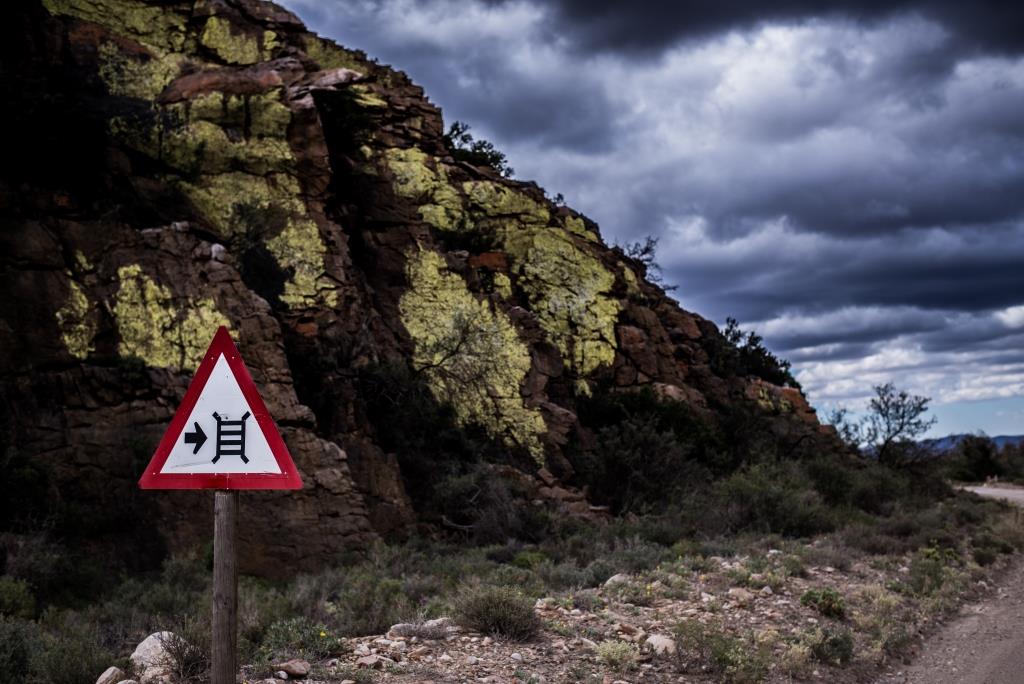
225	587
247	453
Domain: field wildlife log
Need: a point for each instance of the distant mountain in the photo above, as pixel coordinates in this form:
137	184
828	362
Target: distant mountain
951	441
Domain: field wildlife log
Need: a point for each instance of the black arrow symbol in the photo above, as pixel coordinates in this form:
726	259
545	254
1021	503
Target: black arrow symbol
198	438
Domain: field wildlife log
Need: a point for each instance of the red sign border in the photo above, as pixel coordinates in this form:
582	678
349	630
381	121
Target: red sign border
288	478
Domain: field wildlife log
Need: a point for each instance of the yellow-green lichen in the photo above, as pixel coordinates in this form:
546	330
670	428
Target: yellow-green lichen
569	288
300	249
576	225
503	285
232	46
270	42
494	200
632	284
158	26
264	113
82	262
153	329
218	196
76	322
426	184
470	355
367	98
203	147
569	293
328	55
136	76
214	134
225	199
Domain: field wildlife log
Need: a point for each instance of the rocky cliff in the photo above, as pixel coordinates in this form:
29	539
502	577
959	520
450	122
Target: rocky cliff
175	165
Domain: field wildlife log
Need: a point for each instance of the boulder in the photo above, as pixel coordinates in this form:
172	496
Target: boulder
152	660
112	675
294	668
741	595
661	644
614	580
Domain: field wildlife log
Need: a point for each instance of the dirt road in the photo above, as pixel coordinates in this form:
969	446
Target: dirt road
1013	495
985	644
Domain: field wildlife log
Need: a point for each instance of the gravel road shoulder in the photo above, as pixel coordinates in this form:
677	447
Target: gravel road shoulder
985	643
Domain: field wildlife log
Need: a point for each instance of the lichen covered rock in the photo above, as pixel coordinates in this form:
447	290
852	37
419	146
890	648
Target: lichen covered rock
470	353
221	165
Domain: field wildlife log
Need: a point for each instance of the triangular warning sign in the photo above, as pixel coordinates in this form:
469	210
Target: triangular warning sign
222	436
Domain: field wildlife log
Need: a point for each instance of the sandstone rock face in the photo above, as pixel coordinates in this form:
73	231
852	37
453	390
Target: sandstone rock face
179	165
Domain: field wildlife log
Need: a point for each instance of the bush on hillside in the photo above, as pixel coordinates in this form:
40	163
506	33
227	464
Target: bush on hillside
17	642
742	353
476	151
773	498
502	611
16	599
827	601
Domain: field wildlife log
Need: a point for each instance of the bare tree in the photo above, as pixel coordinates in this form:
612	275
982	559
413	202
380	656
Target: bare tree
891	429
895	420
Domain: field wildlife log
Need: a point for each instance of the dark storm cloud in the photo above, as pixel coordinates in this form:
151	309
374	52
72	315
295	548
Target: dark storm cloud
478	78
972	271
847	180
649	26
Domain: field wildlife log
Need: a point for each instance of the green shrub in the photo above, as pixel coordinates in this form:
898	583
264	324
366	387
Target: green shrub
929	570
189	647
70	650
497	610
528	559
707	647
635	593
773	498
478	152
369	605
617	655
885	621
831	646
826	601
351	601
299	638
16	599
259	606
984	556
17	641
588	600
742	353
991	545
649	452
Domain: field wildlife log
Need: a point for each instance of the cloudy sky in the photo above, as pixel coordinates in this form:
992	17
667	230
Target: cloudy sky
849	183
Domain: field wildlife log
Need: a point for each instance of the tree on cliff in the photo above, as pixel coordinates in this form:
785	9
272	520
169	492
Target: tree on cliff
478	152
743	353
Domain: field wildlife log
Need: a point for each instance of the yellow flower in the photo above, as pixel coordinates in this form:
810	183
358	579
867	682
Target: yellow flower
323	634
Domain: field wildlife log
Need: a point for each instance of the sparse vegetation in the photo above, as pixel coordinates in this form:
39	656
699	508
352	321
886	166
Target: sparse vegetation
890	431
646	253
299	637
826	601
617	655
977	458
831	645
714	505
497	610
709	648
476	151
742	352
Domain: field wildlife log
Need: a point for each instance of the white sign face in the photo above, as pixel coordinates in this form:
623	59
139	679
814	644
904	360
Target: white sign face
221	434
